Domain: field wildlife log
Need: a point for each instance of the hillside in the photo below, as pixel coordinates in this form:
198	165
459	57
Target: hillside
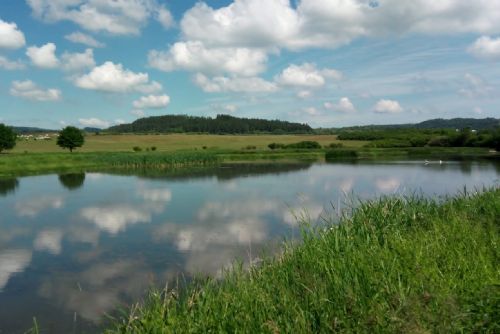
219	125
437	123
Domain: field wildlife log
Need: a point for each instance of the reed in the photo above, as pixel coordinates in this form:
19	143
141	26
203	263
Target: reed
391	265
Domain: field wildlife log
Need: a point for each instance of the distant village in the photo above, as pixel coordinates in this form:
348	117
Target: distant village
43	136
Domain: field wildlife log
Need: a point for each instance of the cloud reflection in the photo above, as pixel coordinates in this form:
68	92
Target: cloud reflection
11	262
386	185
115	218
33	207
49	240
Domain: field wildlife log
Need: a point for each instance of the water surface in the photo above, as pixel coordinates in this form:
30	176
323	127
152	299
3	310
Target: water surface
74	247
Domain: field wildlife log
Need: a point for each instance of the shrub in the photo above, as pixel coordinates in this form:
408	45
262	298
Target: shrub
340	154
153	148
335	145
137	149
275	146
305	145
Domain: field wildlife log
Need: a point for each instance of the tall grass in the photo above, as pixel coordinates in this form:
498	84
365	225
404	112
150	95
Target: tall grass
410	265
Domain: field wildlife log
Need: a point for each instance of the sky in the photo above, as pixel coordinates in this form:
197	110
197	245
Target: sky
328	63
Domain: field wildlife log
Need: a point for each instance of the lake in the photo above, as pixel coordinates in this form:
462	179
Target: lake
74	247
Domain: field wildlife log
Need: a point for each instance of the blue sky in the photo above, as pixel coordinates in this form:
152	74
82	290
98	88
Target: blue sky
325	62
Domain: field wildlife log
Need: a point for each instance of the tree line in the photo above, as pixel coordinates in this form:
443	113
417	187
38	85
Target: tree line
222	124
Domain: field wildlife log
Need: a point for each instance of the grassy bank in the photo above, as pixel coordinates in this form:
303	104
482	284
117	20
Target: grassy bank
36	163
408	265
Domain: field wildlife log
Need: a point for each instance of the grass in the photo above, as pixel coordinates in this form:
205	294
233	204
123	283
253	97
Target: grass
175	142
398	265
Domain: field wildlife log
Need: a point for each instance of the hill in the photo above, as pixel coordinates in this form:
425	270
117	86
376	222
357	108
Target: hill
21	130
221	124
437	123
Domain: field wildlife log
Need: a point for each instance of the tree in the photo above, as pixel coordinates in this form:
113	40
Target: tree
70	137
7	138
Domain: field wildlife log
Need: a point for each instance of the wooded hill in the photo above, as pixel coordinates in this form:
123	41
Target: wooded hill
438	123
219	125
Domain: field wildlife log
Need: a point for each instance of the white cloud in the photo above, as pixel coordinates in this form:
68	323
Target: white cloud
81	38
234	84
10	36
78	61
304	94
29	90
44	56
165	18
476	87
94	123
110	77
225	108
330	23
306	75
152	102
388	106
486	47
138	113
311	111
244	23
124	17
344	105
10	65
194	56
150	88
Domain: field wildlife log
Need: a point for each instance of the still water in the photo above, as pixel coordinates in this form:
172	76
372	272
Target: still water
76	247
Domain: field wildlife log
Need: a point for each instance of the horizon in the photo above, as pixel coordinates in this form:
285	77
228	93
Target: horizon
323	63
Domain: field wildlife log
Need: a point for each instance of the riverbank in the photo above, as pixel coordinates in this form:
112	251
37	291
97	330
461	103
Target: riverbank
19	164
394	265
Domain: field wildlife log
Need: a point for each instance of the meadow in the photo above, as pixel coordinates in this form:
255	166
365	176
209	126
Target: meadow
397	265
175	142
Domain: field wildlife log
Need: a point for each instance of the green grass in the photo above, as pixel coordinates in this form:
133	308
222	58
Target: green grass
397	265
175	142
35	163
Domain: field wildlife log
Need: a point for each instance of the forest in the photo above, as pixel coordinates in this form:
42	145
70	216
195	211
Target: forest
221	124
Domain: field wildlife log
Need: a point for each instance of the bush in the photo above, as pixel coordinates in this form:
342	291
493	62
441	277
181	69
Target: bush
335	145
305	145
137	149
250	147
153	148
340	154
275	146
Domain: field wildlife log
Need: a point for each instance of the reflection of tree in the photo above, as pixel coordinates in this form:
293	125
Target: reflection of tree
8	186
72	181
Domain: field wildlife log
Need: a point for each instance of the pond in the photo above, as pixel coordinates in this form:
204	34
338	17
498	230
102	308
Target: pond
75	247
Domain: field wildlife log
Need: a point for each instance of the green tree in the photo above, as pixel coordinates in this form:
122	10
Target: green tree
70	137
7	138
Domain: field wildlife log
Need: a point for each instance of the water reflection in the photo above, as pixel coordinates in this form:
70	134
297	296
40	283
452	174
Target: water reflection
80	254
12	262
8	186
72	181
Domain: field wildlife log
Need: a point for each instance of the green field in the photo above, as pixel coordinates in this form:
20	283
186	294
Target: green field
396	265
176	142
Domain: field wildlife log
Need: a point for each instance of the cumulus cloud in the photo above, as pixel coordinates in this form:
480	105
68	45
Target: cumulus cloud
32	207
78	61
475	87
194	56
43	56
387	106
29	90
225	108
10	65
306	75
311	111
486	48
124	17
152	102
94	123
10	36
81	38
164	17
304	94
330	23
344	105
234	84
110	77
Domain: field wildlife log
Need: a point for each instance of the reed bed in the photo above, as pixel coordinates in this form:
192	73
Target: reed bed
396	265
